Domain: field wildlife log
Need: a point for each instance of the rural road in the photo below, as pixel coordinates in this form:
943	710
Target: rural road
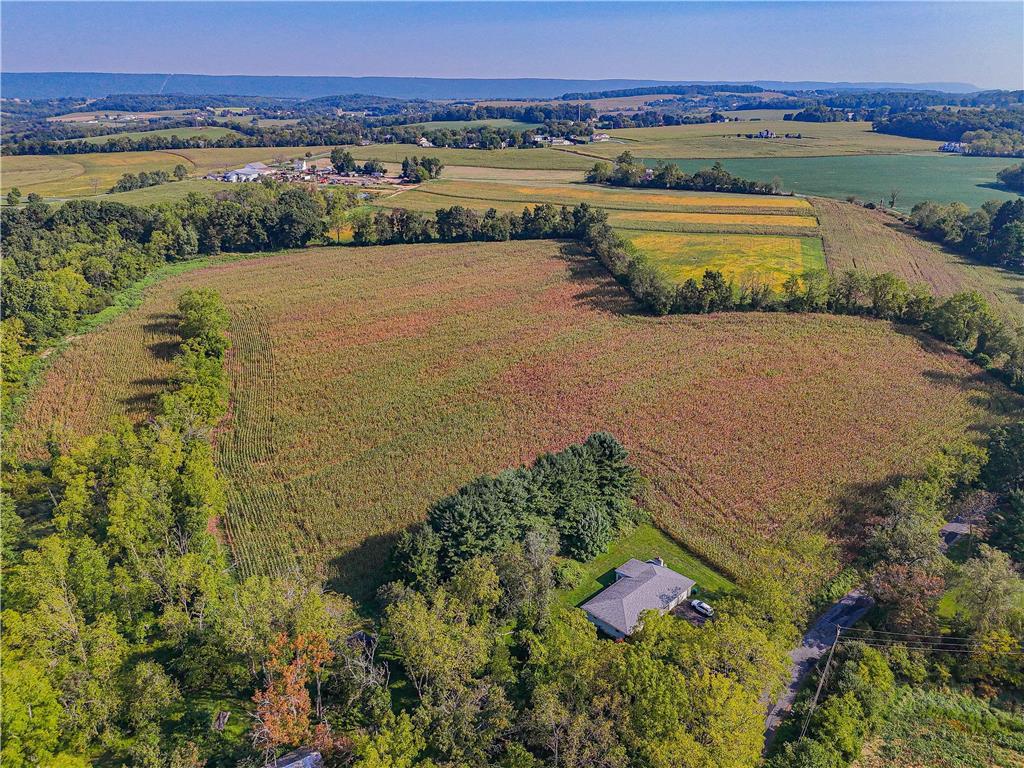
816	642
855	603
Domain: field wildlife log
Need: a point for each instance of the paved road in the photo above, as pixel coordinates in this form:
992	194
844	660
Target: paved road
817	640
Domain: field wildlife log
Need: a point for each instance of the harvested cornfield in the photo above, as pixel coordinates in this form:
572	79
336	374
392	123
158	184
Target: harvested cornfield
873	241
367	383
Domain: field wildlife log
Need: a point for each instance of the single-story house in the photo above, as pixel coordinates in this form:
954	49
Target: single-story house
307	757
639	586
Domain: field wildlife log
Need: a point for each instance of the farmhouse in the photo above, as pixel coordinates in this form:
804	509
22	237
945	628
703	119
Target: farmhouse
639	586
953	146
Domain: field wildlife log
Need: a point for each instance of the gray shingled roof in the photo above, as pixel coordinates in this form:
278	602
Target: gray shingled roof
641	587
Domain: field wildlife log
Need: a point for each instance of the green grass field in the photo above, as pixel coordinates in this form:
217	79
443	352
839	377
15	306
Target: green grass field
645	543
766	258
207	132
63	176
166	193
940	177
720	140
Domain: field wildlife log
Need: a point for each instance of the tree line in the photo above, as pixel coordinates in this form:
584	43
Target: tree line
993	234
583	497
459	224
143	179
1013	178
963	320
998	132
629	172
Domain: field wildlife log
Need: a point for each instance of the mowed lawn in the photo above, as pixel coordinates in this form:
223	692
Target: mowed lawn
767	258
644	543
368	383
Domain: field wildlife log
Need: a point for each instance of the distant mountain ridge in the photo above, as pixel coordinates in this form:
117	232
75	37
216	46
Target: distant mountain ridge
46	85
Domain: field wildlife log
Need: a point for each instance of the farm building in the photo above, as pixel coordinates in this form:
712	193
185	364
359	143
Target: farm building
307	757
251	172
639	586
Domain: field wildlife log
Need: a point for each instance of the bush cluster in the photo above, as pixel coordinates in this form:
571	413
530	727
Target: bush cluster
628	172
583	493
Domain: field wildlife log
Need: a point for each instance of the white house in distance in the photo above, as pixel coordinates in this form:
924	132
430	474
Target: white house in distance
639	586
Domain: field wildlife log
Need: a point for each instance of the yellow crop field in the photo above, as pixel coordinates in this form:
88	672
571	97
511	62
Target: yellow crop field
476	193
767	258
723	218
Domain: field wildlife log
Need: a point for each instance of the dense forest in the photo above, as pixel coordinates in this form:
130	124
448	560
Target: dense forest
982	131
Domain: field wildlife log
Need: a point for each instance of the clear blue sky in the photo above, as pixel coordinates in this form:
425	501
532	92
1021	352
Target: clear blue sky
980	43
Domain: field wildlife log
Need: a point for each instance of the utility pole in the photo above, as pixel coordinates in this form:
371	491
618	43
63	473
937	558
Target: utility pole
821	683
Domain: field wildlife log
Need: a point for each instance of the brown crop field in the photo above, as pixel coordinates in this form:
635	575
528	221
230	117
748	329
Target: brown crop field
858	238
368	382
380	379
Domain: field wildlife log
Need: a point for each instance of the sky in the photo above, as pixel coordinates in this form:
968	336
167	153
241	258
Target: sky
980	43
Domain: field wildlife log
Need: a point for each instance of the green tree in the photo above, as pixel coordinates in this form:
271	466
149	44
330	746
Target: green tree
1007	526
396	744
14	196
342	160
990	592
30	714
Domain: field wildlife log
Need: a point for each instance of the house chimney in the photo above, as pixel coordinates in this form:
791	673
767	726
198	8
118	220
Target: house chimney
657	561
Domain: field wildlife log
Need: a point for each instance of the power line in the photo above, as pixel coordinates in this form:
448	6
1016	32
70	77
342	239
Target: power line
821	682
902	634
936	647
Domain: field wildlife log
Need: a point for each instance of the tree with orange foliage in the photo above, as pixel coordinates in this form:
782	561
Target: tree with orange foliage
283	707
